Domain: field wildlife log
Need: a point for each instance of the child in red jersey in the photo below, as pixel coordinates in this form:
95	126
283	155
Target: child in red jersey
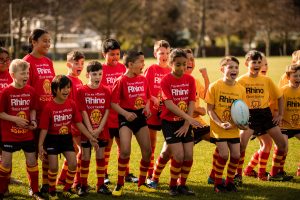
94	104
131	99
18	119
75	65
178	94
56	137
113	69
41	73
154	74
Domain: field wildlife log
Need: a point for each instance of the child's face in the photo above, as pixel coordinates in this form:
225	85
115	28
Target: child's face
230	70
95	78
190	63
42	45
254	66
137	66
294	79
4	61
264	67
76	67
112	57
20	77
162	55
63	93
179	66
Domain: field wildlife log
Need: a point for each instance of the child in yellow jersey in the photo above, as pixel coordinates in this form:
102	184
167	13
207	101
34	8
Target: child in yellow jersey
259	90
224	133
295	60
290	125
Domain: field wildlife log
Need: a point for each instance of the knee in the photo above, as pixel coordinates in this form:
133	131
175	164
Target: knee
223	155
178	157
188	156
165	154
72	165
125	153
146	154
235	155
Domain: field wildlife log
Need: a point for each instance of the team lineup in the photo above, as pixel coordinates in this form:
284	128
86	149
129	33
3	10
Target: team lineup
46	115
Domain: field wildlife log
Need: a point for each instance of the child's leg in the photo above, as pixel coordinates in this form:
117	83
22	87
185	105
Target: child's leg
63	174
298	170
32	171
234	149
215	158
72	166
177	150
85	164
244	136
281	169
77	147
161	162
221	162
100	166
52	172
107	153
187	162
5	171
266	145
143	139
153	138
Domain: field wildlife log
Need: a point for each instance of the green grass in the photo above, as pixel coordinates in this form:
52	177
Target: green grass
251	189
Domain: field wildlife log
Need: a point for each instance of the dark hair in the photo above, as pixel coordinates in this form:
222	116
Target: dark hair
59	82
75	55
225	60
131	56
110	44
161	43
292	69
3	50
34	36
93	66
188	51
253	55
176	53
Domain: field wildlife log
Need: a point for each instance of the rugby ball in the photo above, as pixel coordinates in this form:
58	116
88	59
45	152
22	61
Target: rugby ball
239	112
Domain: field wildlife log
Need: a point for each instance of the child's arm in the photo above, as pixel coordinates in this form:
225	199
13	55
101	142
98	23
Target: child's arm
278	117
33	122
85	132
203	71
212	114
42	137
146	110
102	123
155	100
21	122
86	121
130	116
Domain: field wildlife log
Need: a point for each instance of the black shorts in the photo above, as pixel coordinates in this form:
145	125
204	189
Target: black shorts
154	127
26	146
87	143
290	132
56	144
113	132
229	140
136	124
261	120
170	127
198	133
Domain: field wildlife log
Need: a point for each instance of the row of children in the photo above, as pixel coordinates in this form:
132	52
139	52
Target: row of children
162	100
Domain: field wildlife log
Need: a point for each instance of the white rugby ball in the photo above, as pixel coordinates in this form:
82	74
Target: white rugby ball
239	112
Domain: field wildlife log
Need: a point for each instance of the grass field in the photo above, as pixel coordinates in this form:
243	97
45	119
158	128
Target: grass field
251	189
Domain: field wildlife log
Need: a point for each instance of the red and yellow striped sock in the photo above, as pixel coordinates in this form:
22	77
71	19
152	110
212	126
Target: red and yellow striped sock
253	162
231	169
100	171
52	180
45	168
263	160
215	158
84	172
298	170
175	172
4	178
77	174
241	163
151	167
107	150
281	169
144	165
277	157
33	177
122	166
185	171
69	179
63	173
159	166
219	168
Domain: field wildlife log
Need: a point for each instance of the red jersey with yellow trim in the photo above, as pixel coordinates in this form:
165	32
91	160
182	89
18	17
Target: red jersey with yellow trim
41	73
95	102
5	80
57	118
110	74
131	93
181	91
222	95
17	102
259	91
76	84
291	114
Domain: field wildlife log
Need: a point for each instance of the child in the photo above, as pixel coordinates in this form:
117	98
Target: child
259	90
41	73
56	137
154	74
224	133
113	69
18	119
295	60
75	64
178	94
131	99
290	126
94	104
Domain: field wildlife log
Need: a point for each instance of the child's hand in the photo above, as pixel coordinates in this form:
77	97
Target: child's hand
147	112
182	131
155	101
130	116
199	111
94	144
194	122
226	125
203	71
21	122
42	152
277	119
32	125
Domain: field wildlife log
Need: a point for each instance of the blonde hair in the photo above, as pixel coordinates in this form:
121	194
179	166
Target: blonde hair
295	56
18	64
